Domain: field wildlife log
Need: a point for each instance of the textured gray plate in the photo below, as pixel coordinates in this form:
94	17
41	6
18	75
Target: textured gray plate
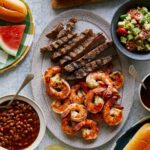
40	63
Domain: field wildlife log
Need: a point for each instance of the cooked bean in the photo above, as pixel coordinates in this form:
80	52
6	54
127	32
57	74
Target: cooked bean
18	124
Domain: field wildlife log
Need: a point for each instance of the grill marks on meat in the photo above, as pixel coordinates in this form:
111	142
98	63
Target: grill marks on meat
69	26
72	44
83	48
52	34
58	43
89	67
87	57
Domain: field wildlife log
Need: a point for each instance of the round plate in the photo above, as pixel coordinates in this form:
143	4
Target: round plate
86	19
6	61
125	137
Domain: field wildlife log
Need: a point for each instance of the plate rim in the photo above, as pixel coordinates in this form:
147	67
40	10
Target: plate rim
15	63
32	84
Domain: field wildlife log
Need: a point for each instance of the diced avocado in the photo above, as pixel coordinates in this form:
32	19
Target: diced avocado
147	26
147	46
121	23
128	17
144	10
129	25
139	43
122	17
136	31
140	48
130	37
123	39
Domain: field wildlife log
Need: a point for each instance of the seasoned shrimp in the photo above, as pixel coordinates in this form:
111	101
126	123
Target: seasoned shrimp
112	113
89	129
77	95
94	101
111	92
59	106
68	126
77	112
50	72
117	79
94	78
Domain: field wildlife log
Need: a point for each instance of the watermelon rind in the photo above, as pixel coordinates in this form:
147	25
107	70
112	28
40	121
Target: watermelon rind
7	49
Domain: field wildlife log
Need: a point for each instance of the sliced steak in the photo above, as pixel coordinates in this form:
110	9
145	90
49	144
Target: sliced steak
72	44
89	67
82	49
87	57
69	26
55	31
58	43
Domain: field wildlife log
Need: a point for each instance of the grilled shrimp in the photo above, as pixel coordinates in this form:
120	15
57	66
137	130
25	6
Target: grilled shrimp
68	126
50	72
77	94
112	113
77	112
94	101
117	79
94	78
59	106
111	92
56	87
89	129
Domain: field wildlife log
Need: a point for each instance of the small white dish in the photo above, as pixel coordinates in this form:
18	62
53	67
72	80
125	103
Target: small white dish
40	114
139	92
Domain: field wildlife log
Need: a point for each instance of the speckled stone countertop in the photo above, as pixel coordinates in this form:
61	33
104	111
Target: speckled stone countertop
43	13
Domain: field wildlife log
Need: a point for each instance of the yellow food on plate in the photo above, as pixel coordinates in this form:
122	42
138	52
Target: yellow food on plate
12	10
141	140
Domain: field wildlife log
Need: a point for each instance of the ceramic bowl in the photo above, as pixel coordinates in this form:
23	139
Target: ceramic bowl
40	114
120	11
139	93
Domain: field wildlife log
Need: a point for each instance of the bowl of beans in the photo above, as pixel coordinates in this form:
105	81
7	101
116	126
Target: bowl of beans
22	125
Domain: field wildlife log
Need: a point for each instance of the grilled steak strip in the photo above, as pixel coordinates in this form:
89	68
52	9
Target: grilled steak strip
72	44
89	67
58	43
69	26
87	57
55	31
82	49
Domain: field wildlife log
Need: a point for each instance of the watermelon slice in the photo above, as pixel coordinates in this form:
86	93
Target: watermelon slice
10	38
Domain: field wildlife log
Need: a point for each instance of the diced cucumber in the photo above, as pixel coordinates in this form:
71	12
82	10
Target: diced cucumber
144	10
136	31
133	21
122	17
121	23
123	39
130	37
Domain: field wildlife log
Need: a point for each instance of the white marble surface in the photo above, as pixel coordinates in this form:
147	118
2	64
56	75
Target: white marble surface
43	13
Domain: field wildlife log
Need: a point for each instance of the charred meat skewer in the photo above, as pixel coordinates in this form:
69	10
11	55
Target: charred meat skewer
87	57
82	49
89	67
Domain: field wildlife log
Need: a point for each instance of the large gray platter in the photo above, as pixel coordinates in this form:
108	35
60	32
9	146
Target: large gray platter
40	63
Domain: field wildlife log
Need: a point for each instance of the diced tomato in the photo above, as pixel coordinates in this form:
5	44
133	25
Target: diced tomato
135	14
122	31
